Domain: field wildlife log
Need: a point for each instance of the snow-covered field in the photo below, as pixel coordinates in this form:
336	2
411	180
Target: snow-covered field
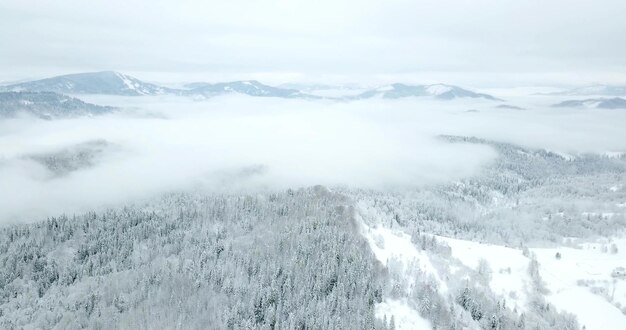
580	282
509	268
386	245
565	278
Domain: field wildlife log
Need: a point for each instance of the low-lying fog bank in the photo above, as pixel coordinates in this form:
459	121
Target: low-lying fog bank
159	144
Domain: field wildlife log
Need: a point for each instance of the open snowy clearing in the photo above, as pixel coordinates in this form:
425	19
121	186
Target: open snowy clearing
405	317
387	244
509	268
580	282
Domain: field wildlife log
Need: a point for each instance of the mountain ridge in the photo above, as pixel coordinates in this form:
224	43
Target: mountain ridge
438	91
598	103
102	82
116	83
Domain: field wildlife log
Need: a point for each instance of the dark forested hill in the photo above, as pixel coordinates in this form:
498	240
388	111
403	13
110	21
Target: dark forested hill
47	105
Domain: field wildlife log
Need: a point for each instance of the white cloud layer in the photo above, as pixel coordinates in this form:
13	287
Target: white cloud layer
236	142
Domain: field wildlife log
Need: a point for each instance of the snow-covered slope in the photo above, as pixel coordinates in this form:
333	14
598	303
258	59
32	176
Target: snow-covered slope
46	105
508	268
248	87
581	282
327	91
105	82
603	90
601	103
439	91
389	246
116	83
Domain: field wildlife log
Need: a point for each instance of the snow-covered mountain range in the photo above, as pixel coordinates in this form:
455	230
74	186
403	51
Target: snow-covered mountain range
438	91
115	83
599	90
248	87
105	82
599	103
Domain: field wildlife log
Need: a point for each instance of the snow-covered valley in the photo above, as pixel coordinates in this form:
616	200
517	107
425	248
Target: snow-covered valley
246	214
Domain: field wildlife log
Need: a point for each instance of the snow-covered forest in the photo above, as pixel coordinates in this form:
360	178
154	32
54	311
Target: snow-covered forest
323	257
312	165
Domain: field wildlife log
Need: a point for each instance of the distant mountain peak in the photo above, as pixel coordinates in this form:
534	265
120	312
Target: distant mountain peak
439	91
598	90
597	103
247	87
117	83
101	82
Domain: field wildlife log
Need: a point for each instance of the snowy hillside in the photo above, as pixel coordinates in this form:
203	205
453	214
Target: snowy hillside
247	87
105	82
570	275
116	83
47	105
438	91
602	103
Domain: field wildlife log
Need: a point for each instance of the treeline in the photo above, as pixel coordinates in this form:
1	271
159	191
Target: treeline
292	260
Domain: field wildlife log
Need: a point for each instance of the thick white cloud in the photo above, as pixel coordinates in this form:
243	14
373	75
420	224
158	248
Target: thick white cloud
235	142
213	144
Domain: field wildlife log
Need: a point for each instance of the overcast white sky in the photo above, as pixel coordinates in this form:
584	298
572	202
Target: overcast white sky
478	42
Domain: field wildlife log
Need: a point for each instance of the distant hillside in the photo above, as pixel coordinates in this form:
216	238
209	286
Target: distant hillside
438	91
105	82
601	103
46	105
248	87
115	83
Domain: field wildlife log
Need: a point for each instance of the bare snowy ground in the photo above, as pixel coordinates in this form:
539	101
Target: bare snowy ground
580	282
387	245
508	268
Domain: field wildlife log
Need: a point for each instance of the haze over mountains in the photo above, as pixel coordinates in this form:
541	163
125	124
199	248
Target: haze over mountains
44	98
439	91
599	103
105	82
248	87
115	83
599	90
